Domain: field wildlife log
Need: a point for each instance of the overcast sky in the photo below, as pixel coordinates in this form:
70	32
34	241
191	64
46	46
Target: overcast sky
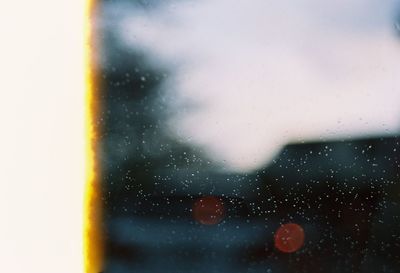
264	73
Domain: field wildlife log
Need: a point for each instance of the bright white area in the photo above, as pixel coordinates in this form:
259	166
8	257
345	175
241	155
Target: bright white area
42	151
264	73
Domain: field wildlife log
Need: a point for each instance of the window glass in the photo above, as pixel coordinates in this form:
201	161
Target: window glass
249	136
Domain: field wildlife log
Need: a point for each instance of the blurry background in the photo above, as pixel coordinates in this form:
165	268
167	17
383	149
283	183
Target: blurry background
263	113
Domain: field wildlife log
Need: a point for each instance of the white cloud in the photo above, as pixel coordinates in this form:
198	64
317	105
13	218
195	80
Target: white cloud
263	73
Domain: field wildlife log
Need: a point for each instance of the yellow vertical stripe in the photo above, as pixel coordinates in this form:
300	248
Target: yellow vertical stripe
93	239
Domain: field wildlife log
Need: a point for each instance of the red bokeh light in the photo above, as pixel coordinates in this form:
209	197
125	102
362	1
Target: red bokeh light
289	238
208	210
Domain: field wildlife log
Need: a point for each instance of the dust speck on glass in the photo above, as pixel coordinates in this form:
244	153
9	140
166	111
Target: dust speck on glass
249	136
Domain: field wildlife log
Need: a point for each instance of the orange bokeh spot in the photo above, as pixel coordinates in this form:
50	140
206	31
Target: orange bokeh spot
289	238
208	210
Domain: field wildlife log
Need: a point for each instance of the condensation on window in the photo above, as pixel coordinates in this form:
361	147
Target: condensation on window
249	136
